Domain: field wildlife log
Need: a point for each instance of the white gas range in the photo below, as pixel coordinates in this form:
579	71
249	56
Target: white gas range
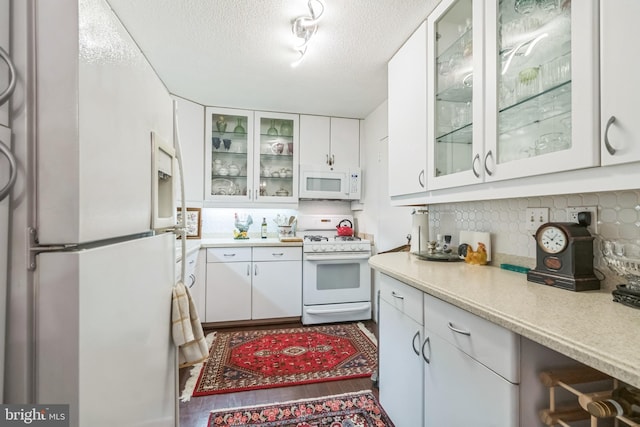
336	278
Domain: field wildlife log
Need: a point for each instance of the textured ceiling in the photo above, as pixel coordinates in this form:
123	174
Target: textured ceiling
237	53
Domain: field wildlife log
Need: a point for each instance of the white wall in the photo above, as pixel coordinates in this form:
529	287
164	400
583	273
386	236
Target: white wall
388	225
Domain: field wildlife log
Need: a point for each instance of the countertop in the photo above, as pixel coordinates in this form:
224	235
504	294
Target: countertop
586	326
194	245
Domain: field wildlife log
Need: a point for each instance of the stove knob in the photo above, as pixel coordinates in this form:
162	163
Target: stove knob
328	248
315	248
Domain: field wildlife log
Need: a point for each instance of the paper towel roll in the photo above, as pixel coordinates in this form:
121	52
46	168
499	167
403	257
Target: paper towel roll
419	231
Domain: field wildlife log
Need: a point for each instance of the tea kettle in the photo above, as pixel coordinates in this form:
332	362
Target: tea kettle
344	230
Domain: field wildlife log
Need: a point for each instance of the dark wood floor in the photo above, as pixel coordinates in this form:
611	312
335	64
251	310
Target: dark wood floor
195	412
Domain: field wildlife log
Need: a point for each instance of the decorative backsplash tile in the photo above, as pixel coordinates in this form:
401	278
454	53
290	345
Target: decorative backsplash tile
618	218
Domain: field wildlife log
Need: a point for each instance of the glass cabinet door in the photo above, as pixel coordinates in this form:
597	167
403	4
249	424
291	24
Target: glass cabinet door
276	151
546	78
455	69
228	155
534	78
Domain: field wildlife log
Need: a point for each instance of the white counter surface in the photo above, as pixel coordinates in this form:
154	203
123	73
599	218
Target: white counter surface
232	243
586	326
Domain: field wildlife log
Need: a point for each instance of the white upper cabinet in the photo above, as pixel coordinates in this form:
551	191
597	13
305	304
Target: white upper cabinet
228	155
407	106
276	154
542	86
329	142
538	68
619	124
455	112
250	156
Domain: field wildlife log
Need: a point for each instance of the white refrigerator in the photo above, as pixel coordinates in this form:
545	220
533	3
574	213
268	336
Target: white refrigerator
102	272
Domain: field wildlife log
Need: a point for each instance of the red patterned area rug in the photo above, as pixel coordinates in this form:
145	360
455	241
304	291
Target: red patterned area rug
249	360
346	410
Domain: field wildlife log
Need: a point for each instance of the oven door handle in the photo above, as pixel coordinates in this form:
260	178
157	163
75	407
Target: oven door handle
338	310
336	257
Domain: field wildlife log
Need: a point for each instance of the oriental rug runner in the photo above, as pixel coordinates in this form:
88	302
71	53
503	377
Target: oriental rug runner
266	358
352	410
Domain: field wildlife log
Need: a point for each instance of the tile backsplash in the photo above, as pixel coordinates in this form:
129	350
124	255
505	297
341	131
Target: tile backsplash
618	218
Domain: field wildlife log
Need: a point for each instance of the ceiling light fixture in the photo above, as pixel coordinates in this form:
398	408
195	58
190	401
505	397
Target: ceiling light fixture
305	27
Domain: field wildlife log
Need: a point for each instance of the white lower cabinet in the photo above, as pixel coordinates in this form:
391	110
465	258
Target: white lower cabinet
436	363
470	364
253	283
277	283
461	391
400	362
228	284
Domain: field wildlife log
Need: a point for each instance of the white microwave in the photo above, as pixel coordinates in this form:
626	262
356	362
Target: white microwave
335	184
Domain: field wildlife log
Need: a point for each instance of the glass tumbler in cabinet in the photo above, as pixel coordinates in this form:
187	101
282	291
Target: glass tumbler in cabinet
455	72
276	149
546	95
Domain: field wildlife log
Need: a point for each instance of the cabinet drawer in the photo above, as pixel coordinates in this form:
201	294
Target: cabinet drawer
490	344
228	254
401	296
277	253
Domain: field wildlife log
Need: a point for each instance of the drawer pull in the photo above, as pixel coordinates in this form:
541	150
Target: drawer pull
459	331
424	353
413	343
229	255
396	295
278	254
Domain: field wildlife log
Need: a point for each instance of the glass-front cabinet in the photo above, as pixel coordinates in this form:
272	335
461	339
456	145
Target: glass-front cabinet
537	112
454	77
276	151
251	156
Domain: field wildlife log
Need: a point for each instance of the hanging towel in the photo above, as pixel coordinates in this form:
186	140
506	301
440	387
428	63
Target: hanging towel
186	328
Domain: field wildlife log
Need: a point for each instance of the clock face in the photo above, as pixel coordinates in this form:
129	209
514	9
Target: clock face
552	239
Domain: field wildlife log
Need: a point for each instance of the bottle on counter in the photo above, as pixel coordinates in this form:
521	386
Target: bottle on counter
263	228
624	401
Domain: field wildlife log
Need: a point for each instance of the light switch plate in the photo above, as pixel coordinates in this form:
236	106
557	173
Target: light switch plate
535	217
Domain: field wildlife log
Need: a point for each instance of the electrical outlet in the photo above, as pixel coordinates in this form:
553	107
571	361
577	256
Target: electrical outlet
535	217
572	216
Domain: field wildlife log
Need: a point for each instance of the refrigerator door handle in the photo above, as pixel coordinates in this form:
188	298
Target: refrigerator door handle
4	96
13	171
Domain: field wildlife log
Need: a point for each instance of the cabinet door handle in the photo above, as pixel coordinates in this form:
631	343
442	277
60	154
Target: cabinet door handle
396	295
256	194
413	343
327	160
248	270
255	270
459	331
13	171
608	145
424	354
333	160
486	167
421	178
192	277
473	166
4	96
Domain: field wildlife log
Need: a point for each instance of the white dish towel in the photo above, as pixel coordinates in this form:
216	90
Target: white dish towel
187	331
